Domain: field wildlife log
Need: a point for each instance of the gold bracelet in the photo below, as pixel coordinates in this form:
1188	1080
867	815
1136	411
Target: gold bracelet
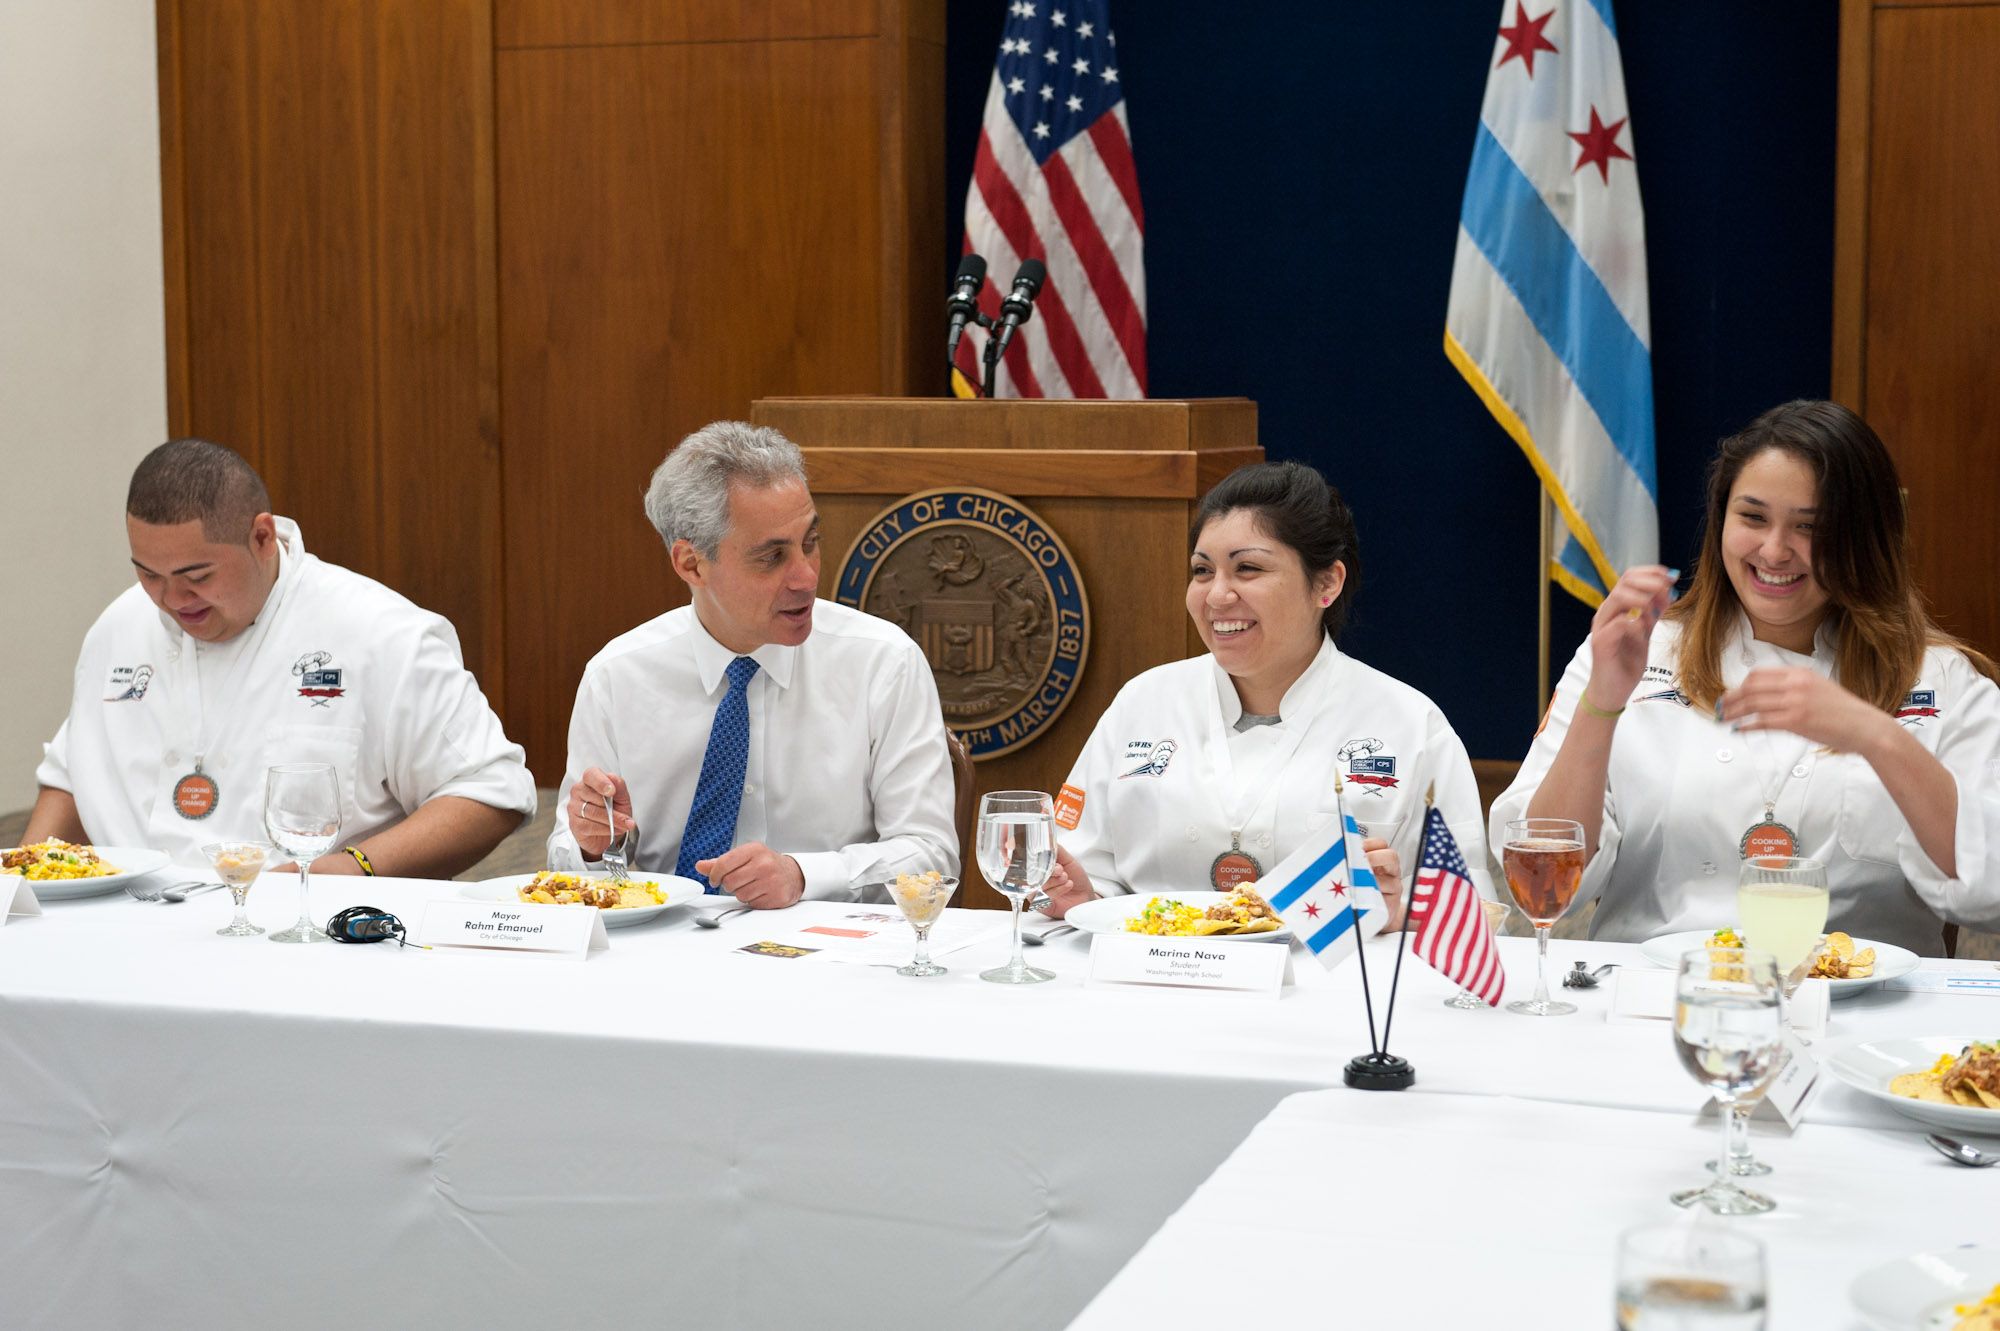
366	868
1583	701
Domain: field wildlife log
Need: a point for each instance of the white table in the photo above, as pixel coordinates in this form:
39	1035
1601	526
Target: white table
1504	1213
225	1131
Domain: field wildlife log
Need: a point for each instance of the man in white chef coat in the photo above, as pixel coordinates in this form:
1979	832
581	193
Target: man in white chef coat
774	745
238	650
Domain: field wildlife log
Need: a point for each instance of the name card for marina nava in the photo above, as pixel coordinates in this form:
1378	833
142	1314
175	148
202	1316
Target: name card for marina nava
1784	1100
569	931
1262	969
19	896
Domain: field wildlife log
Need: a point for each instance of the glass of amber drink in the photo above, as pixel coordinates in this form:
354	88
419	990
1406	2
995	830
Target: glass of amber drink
1543	859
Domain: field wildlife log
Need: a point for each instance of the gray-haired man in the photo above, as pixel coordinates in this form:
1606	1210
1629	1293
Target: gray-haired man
776	745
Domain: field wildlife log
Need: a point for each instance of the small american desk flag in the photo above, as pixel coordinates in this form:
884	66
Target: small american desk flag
1053	179
1450	923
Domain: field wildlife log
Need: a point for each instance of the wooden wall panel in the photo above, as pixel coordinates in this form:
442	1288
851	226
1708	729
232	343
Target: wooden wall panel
643	22
684	227
331	277
1932	305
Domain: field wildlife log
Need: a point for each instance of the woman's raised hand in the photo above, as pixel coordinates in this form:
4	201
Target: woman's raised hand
1068	885
1622	630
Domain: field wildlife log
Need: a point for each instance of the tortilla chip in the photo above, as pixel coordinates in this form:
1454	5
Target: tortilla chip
1992	1101
1920	1086
1963	1095
1264	925
1204	928
1840	945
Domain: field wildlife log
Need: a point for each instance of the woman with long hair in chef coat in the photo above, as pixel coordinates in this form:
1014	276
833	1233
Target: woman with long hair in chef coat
1797	700
1204	774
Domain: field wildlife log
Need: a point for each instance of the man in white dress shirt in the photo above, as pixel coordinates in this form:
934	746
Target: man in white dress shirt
238	650
776	745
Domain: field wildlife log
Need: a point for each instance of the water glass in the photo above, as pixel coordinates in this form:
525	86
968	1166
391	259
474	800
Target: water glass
302	815
1689	1278
1016	849
1729	1030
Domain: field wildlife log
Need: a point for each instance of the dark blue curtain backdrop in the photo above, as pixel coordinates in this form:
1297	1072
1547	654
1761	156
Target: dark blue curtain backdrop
1302	165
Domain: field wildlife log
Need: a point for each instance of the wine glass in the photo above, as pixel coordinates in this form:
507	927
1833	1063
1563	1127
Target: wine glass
1017	853
238	863
1729	1029
1465	1000
1781	903
302	814
921	898
1543	858
1689	1276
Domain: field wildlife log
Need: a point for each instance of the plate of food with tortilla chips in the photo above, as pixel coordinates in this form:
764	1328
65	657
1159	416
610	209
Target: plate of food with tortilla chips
1946	1081
1238	914
642	897
1848	965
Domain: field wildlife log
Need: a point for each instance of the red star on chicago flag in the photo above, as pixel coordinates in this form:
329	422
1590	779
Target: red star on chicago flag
1600	145
1312	910
1525	38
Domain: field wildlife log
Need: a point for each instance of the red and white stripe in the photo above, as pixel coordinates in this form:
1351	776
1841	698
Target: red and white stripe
1452	933
1080	215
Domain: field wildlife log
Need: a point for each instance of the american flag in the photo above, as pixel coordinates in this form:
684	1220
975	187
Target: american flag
1452	933
1054	180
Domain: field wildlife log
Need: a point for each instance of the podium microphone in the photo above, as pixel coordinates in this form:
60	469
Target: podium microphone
963	304
1018	308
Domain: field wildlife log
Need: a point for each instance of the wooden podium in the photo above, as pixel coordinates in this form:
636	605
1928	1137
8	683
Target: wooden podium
957	501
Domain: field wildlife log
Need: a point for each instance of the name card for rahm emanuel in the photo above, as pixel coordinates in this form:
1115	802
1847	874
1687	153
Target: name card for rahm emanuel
570	931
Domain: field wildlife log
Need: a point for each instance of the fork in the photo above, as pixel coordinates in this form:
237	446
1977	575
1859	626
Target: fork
614	850
134	890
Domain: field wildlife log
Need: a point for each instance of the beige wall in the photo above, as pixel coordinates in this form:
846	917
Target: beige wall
82	337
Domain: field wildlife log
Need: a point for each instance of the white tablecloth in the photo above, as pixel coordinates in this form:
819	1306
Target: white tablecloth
204	1130
1505	1213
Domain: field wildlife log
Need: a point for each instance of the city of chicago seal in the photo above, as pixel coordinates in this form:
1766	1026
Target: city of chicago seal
990	593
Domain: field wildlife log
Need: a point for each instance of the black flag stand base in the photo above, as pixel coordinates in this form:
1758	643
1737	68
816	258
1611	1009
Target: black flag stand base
1380	1072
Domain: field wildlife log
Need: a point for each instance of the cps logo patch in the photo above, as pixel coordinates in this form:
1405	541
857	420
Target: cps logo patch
1919	707
1368	766
319	679
990	593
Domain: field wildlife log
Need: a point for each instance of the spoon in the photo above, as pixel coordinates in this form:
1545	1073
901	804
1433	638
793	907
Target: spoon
180	892
715	921
1960	1154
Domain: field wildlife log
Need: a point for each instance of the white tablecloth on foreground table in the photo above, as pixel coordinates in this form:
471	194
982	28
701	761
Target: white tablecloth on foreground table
197	1129
1503	1213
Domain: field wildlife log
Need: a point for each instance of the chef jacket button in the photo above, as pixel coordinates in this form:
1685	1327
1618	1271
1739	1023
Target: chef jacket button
749	789
1708	866
172	757
1800	770
1264	840
1724	755
1193	835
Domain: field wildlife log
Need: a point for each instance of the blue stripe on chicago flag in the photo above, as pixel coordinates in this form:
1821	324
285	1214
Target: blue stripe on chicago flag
1311	874
1577	560
1332	930
1507	219
1603	8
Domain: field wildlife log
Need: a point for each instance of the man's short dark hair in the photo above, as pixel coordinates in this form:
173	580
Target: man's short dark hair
192	480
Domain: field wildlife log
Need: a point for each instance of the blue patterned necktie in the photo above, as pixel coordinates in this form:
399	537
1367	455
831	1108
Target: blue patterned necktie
718	795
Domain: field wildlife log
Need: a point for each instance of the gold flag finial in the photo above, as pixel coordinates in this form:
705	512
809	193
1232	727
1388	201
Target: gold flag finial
1430	794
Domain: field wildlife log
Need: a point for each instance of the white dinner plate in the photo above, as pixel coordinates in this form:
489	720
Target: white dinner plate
1890	960
132	862
679	892
1867	1066
1107	915
1918	1293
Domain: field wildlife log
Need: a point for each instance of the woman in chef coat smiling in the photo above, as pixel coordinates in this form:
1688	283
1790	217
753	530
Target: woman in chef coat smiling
1207	773
1796	701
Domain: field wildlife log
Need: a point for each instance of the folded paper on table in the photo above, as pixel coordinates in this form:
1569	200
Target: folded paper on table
1945	975
1642	994
565	931
21	899
1191	963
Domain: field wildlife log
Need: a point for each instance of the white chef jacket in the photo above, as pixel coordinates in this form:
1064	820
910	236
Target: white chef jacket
847	770
1158	807
336	668
1683	788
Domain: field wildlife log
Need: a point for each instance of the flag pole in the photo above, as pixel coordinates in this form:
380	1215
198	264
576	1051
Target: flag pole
1403	942
1545	553
1376	1070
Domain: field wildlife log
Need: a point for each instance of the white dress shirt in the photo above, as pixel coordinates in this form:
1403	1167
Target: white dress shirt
1157	807
847	770
1683	788
388	702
